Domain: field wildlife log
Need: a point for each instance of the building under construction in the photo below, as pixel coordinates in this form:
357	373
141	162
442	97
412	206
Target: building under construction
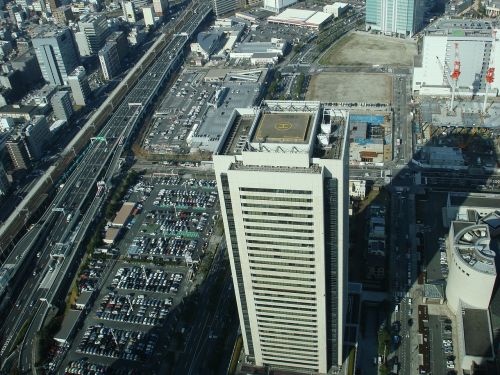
459	58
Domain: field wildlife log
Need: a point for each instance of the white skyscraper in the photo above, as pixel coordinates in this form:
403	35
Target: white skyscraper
282	176
395	17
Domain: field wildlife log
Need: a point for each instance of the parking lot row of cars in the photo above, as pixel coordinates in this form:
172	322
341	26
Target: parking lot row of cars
84	367
443	258
134	309
117	343
166	247
187	198
171	223
146	279
90	275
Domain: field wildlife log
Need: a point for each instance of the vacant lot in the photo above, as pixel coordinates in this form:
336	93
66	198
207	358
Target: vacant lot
350	87
363	49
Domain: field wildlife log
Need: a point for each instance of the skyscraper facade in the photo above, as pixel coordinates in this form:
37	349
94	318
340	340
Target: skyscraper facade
56	54
226	6
395	17
282	177
95	30
110	61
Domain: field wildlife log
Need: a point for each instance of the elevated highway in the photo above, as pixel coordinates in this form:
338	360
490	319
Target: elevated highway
68	217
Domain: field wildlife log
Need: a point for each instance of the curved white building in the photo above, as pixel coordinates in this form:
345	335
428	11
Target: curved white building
472	270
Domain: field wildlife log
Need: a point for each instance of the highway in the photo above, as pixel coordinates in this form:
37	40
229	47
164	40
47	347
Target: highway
62	221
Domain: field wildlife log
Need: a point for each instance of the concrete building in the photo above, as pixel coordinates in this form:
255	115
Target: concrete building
441	157
62	15
227	6
160	7
395	17
93	31
357	189
120	39
208	42
136	35
129	12
110	61
301	17
56	54
460	205
472	271
336	9
278	5
470	287
61	104
235	93
150	18
37	134
282	179
472	42
18	152
79	86
247	50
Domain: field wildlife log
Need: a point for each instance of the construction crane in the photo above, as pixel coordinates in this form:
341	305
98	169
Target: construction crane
455	75
449	77
490	73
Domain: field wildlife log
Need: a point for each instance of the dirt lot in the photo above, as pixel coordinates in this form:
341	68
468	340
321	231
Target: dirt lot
350	87
363	49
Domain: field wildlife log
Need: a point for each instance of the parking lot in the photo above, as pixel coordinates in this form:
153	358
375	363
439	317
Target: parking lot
180	112
176	221
441	342
101	340
139	287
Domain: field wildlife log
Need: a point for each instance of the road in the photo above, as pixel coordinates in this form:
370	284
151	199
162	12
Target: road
62	220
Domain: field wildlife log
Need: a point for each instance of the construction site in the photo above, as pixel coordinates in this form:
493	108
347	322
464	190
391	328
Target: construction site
457	104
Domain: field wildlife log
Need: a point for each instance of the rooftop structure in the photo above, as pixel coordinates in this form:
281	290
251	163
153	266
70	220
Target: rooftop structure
472	271
238	94
282	126
301	17
475	341
276	47
460	205
123	214
208	42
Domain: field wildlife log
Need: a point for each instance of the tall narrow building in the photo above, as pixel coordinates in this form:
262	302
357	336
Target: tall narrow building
56	54
282	177
395	17
79	85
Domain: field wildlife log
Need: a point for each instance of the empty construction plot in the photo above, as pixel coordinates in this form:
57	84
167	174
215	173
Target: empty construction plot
363	49
368	88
